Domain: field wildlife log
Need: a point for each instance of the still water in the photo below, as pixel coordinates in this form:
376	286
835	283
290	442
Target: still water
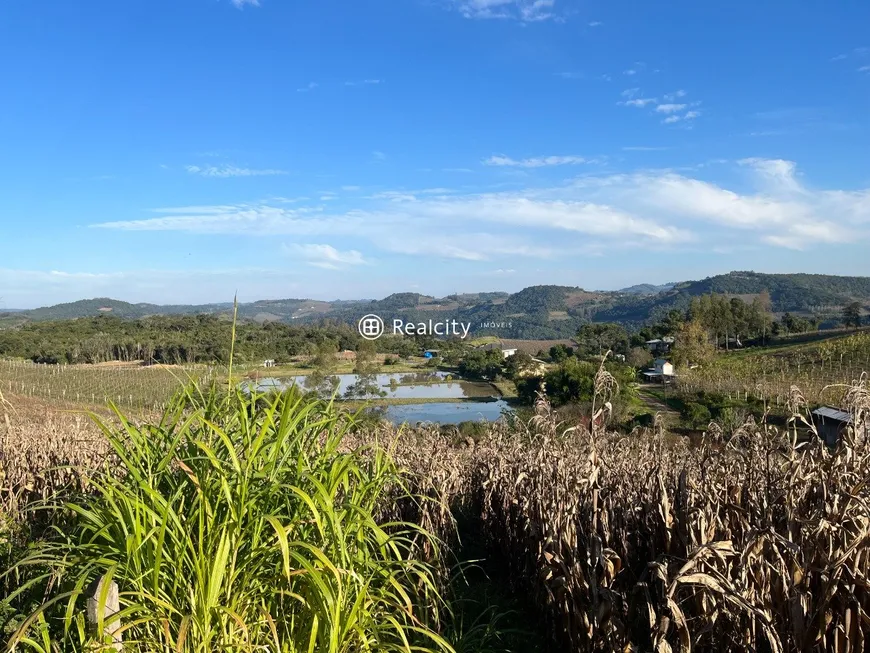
427	385
447	412
424	385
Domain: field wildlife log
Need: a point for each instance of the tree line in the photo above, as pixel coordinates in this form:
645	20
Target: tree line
182	339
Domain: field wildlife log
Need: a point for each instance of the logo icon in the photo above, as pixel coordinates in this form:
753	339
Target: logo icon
371	327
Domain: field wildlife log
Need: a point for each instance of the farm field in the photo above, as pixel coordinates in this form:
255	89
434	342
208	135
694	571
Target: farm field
708	546
822	370
131	386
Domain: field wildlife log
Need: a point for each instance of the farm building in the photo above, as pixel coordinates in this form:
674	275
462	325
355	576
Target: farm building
660	345
662	371
506	352
832	422
269	363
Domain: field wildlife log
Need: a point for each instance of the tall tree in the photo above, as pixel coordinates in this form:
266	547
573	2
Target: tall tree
692	345
852	315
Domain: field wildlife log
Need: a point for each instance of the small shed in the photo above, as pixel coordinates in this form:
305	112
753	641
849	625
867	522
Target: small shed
507	353
830	423
269	362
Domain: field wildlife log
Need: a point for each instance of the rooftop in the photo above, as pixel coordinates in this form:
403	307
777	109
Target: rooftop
833	413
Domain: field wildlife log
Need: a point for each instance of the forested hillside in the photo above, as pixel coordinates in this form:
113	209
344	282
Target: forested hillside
536	312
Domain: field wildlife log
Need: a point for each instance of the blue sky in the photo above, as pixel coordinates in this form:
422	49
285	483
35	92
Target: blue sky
180	150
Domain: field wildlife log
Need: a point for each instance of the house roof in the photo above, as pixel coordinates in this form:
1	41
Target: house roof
833	413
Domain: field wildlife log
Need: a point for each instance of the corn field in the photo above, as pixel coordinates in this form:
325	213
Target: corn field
139	388
757	541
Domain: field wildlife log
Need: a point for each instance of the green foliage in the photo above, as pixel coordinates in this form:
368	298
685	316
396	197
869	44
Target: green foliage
240	524
852	315
517	364
485	365
560	352
600	338
697	415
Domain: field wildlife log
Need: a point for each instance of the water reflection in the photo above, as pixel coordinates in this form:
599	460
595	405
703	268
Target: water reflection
428	385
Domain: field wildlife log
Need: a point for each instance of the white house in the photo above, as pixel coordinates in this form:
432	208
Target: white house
662	371
507	353
269	363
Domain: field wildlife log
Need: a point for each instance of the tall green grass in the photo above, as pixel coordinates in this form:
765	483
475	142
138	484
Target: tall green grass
239	523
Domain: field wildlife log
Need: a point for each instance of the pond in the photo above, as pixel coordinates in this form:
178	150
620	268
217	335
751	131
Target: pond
428	385
451	412
423	386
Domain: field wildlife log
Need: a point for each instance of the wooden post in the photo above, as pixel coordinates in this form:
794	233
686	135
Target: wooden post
110	607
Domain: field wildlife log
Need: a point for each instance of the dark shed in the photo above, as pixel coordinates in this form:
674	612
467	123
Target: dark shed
830	423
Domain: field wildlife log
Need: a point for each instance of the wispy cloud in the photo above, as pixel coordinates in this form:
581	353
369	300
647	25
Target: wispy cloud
350	189
363	82
595	23
377	155
523	10
672	97
670	108
535	162
231	171
864	69
637	67
658	209
639	102
675	118
240	4
309	87
326	257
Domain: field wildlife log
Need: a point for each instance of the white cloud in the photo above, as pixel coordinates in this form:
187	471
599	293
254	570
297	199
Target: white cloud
671	97
670	108
648	209
309	87
674	118
231	171
350	189
325	256
378	155
523	10
639	102
535	162
630	71
630	92
595	23
363	82
864	69
240	4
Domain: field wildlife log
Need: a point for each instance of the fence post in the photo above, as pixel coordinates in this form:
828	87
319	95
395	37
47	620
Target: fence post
111	607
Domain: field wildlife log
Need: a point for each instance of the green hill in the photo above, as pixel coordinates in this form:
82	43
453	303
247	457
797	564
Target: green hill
536	312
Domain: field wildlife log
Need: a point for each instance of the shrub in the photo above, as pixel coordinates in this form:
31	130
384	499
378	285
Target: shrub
698	415
240	526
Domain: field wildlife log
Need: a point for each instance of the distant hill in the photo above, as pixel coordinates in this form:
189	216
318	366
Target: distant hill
536	312
646	289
